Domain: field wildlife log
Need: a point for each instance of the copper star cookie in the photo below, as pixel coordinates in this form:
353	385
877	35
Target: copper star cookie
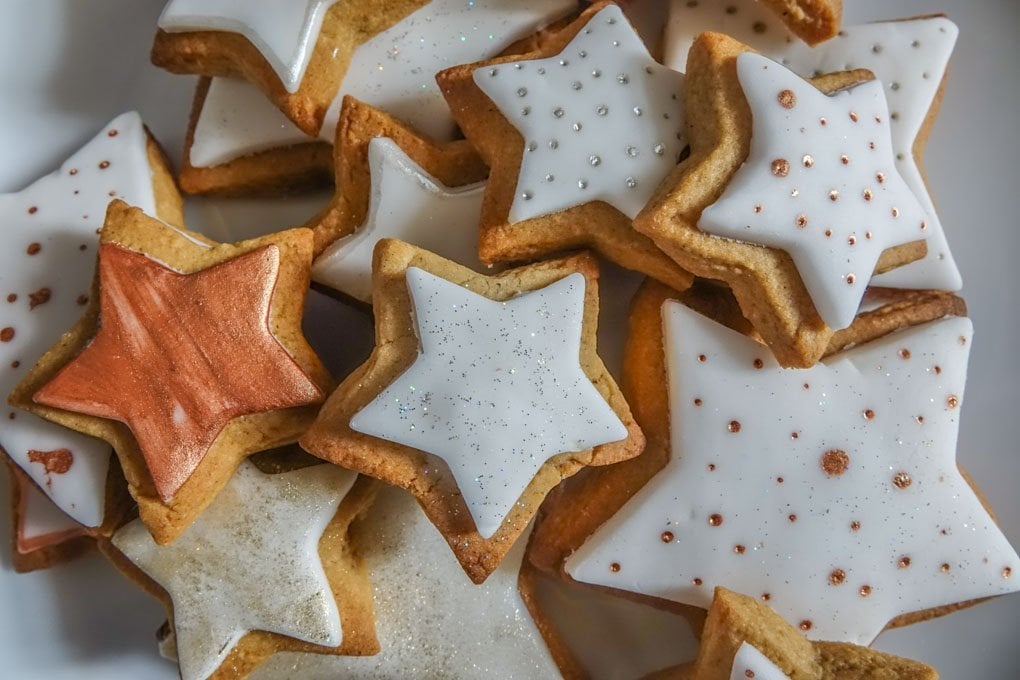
295	52
790	195
189	358
482	394
743	638
577	136
267	568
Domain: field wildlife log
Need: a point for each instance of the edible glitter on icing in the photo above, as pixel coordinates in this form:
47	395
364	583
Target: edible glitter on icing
841	554
44	272
405	203
834	201
283	31
429	615
909	56
496	390
394	71
749	662
249	562
615	114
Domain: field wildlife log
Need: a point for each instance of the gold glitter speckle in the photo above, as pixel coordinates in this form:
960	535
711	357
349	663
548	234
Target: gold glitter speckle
780	167
855	526
952	401
807	160
787	99
835	462
903	562
614	567
901	480
806	624
715	519
734	426
837	577
667	536
865	590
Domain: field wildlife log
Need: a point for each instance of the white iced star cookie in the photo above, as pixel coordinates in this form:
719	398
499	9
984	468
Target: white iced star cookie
46	272
578	135
820	182
908	56
393	71
446	405
840	503
253	561
405	203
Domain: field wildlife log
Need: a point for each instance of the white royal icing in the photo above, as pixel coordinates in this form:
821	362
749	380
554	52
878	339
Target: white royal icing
749	662
249	562
394	70
284	31
472	631
57	217
497	389
601	121
820	183
831	492
909	57
39	518
409	204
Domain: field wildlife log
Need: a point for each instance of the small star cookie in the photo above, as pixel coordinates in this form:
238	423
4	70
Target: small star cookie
446	405
189	358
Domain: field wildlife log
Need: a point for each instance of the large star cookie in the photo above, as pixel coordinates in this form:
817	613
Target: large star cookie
189	358
266	568
578	135
832	492
482	394
236	133
46	271
790	196
909	57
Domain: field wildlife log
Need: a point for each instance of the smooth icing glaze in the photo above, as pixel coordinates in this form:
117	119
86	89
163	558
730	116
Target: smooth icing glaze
40	522
601	121
749	662
177	356
830	492
820	183
472	631
394	71
283	31
909	57
46	273
249	562
497	389
409	204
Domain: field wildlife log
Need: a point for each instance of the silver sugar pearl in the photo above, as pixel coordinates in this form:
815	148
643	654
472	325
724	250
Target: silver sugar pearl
522	91
631	182
632	151
558	112
622	79
594	160
602	109
582	184
659	149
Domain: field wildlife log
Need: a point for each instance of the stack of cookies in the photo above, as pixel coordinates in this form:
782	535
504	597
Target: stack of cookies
777	463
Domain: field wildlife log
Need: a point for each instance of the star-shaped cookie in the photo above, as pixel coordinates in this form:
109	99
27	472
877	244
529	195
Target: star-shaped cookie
266	568
295	52
189	358
578	135
446	405
238	141
832	492
743	638
819	182
909	57
46	271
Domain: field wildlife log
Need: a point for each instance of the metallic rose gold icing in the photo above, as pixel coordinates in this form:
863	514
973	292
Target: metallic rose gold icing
55	462
177	356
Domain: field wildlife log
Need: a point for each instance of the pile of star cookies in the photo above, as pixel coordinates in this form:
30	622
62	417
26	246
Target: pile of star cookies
780	451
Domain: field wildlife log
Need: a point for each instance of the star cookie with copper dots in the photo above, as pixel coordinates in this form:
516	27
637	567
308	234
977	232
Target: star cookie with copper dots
909	57
295	52
46	272
266	568
189	358
743	638
840	502
482	394
791	196
577	136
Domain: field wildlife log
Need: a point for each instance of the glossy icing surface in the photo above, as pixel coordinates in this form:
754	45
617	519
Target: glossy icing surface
46	269
830	492
40	522
284	31
468	631
751	663
394	71
496	390
409	204
820	182
601	121
909	56
249	562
